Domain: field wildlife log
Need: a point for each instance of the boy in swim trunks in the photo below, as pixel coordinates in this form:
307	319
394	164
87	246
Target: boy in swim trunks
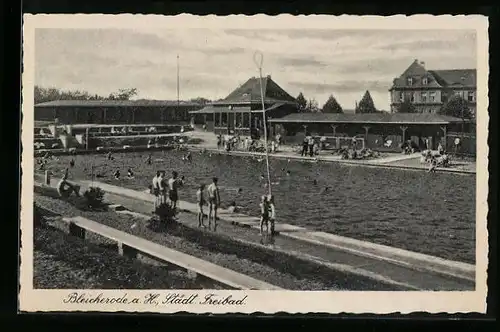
272	213
155	188
200	199
173	184
264	214
213	202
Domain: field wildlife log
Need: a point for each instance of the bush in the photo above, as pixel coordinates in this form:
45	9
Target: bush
165	212
94	197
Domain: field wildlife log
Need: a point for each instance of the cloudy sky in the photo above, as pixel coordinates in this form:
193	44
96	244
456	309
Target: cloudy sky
213	62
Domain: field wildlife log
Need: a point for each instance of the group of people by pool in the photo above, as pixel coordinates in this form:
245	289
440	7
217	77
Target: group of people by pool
167	192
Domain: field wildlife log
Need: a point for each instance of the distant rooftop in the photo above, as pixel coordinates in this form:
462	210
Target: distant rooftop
250	92
116	103
435	78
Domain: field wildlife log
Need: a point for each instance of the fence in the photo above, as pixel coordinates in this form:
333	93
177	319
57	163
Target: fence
466	143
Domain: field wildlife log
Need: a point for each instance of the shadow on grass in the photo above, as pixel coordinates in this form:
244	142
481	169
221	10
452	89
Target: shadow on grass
79	202
105	268
283	262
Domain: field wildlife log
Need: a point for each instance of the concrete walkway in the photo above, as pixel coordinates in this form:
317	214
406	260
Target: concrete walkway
362	248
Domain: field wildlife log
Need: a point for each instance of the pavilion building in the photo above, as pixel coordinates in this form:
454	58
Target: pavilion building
241	111
375	129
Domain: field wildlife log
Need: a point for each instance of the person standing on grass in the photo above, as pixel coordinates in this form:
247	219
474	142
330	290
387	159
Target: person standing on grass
272	213
264	214
200	199
173	185
155	188
213	202
304	146
162	188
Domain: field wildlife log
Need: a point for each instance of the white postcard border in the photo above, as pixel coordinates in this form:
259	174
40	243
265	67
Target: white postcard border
31	300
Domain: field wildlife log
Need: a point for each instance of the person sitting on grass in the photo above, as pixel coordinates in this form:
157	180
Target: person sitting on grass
200	199
64	188
233	208
130	174
117	174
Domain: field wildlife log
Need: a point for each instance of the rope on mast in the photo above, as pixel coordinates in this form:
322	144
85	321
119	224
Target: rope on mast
258	58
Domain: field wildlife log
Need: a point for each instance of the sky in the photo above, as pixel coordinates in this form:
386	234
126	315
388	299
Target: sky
213	61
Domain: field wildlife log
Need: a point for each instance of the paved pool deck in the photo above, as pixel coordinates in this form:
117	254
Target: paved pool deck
409	270
394	160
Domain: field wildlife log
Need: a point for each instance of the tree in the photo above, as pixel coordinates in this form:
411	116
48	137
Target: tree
123	94
406	107
366	104
332	106
43	95
301	100
200	100
456	107
312	106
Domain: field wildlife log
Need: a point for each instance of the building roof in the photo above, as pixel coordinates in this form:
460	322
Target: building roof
435	78
250	92
454	77
116	103
237	109
402	118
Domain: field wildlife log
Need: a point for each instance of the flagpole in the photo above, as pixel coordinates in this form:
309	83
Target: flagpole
259	60
178	100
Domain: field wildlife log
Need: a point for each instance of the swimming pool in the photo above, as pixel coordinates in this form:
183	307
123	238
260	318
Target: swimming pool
413	210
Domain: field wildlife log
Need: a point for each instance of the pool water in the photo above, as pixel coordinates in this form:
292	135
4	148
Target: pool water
432	213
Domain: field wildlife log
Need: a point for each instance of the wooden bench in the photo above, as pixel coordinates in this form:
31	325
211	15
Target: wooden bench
131	245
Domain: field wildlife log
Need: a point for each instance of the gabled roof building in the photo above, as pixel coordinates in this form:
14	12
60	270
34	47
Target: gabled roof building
241	111
428	90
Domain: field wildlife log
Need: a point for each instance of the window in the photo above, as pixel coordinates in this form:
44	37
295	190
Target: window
425	81
471	96
459	93
432	96
410	80
401	96
424	97
413	97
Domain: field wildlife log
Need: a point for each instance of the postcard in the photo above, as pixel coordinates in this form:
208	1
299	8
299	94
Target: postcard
241	164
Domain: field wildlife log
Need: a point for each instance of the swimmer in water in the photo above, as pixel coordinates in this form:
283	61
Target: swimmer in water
72	163
240	190
262	177
288	173
315	182
149	159
325	190
232	207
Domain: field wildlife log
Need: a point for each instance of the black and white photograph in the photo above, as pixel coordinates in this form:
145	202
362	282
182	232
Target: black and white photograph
254	164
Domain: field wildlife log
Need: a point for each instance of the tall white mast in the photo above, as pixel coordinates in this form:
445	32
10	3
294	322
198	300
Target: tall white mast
259	61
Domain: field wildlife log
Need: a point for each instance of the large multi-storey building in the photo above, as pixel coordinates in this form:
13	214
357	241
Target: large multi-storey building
428	90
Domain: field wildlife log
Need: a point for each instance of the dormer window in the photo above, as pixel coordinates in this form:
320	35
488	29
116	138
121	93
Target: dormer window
410	80
425	81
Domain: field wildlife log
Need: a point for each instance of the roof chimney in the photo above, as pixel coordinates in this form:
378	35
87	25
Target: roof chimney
422	63
416	60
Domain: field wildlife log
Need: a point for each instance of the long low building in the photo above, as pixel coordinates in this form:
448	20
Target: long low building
379	128
115	111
